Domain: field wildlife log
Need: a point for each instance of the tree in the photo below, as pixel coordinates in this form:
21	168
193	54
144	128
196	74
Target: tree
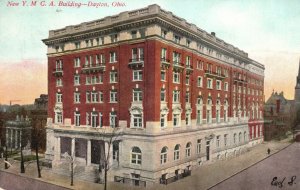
38	131
110	136
71	160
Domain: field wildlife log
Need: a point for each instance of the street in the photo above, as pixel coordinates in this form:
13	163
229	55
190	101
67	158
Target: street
279	171
10	181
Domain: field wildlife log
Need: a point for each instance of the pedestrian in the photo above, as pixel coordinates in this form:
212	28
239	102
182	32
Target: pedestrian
269	151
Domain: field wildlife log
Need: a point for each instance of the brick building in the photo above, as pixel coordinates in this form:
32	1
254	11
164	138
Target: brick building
278	116
181	96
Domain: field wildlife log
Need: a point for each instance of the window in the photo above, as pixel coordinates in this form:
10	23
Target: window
76	97
188	43
58	98
163	95
199	117
187	119
198	146
176	38
176	96
218	85
87	117
176	120
225	72
225	140
218	141
187	80
94	119
188	149
114	38
218	116
226	86
137	120
76	79
59	65
176	152
163	155
100	59
164	54
113	96
163	75
240	137
137	95
208	116
200	47
187	97
77	62
58	117
77	118
113	77
133	34
219	71
176	77
77	45
245	136
199	82
163	120
137	75
176	57
59	82
100	41
142	32
137	54
209	84
88	97
234	138
200	65
95	97
188	61
112	57
163	33
101	97
113	119
136	155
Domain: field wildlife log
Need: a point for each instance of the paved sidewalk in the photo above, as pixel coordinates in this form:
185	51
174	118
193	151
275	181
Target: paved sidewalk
202	178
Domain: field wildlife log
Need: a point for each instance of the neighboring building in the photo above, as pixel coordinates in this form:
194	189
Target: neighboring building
18	133
182	97
278	117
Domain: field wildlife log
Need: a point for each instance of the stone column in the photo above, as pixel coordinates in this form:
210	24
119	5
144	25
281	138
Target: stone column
20	138
88	153
57	149
110	159
7	137
11	138
73	147
16	138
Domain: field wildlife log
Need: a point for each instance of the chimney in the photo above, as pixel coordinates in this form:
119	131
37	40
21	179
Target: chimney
277	106
213	33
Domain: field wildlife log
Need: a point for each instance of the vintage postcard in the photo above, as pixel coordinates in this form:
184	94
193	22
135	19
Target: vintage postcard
140	94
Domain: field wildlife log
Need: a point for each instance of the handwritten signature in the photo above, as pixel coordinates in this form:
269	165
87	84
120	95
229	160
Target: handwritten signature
280	183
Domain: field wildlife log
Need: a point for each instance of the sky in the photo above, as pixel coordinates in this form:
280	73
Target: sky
269	31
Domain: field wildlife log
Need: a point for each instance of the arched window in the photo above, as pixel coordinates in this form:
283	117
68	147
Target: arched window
240	137
176	152
188	149
163	155
234	138
136	155
245	136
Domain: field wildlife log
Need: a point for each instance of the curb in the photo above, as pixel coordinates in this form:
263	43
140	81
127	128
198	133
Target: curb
248	167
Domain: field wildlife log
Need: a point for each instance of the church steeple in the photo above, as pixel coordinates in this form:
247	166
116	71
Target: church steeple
298	77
